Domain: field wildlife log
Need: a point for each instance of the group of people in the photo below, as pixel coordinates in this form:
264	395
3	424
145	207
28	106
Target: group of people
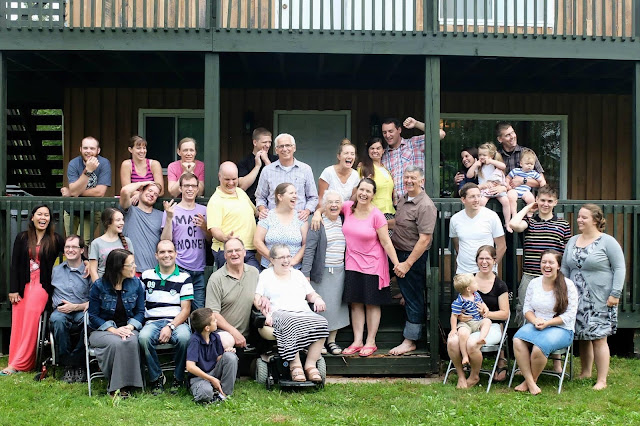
280	244
569	290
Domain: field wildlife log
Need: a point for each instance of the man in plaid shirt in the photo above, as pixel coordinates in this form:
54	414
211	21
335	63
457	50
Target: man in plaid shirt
402	152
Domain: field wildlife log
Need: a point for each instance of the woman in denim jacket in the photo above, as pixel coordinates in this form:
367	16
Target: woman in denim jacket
116	313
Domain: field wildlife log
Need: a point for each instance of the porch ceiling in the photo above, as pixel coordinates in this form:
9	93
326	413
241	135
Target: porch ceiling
42	76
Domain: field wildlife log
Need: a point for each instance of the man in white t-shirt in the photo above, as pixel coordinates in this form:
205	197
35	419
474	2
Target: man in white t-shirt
472	228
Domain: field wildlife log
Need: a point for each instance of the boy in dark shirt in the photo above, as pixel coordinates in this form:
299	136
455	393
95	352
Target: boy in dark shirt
214	369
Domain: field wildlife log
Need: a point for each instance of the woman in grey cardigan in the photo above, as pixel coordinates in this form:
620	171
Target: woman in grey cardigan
595	263
323	263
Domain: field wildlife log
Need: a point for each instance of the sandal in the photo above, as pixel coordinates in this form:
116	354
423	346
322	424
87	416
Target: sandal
313	374
497	374
297	374
333	348
351	350
8	372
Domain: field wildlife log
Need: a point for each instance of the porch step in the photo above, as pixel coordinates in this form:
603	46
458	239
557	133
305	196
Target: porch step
379	364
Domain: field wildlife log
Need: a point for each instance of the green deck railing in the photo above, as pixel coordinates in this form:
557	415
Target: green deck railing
623	223
604	19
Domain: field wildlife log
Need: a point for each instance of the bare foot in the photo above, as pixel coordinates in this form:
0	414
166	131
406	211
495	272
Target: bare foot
465	360
599	386
403	348
522	387
462	383
583	376
472	381
535	390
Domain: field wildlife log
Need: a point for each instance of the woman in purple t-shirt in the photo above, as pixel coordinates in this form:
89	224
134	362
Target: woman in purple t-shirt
366	285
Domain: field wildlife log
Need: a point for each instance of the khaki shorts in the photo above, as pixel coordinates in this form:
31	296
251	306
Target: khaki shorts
472	325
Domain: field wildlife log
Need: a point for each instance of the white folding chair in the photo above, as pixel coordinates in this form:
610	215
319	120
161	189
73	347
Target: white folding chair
487	349
566	356
90	355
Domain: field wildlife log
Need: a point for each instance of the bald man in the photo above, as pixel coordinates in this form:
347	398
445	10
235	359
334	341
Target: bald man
230	213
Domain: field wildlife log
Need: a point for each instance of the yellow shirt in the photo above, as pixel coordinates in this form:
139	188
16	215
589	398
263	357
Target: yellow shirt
383	199
232	213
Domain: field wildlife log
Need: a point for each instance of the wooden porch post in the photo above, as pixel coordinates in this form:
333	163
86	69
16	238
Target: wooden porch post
211	121
635	188
3	124
432	126
432	187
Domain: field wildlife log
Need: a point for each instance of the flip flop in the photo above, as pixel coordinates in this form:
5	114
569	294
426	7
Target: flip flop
368	350
8	372
352	350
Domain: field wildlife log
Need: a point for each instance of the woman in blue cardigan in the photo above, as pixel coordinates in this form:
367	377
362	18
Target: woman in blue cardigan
116	314
595	263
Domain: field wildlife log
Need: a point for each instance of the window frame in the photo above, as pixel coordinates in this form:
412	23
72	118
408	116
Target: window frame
500	19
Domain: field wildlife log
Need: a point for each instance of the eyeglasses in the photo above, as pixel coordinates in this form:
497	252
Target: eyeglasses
283	257
71	247
286	145
130	265
188	186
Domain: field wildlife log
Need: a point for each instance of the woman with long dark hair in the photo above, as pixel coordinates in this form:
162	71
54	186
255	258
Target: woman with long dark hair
34	253
371	167
550	308
468	157
116	314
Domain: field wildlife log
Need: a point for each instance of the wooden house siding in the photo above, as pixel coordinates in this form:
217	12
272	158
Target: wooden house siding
600	130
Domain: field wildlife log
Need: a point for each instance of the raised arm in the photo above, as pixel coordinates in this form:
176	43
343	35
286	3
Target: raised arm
517	222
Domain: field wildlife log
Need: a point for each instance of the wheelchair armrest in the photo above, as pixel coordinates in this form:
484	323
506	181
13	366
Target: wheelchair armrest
257	318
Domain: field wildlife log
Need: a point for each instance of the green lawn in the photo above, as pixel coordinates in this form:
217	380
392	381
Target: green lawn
24	401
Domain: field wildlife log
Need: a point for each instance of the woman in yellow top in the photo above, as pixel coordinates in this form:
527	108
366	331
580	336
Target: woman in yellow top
371	167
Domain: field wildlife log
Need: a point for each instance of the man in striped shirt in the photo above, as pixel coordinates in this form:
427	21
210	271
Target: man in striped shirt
168	296
542	231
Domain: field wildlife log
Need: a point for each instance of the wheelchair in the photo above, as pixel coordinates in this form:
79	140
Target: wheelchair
270	368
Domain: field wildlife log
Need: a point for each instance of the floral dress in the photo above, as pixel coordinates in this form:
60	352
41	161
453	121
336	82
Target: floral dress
591	324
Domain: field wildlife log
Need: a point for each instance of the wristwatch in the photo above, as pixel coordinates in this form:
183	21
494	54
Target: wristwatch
87	173
172	326
524	181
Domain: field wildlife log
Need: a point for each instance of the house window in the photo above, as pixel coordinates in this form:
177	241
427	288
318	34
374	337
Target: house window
544	134
453	11
163	129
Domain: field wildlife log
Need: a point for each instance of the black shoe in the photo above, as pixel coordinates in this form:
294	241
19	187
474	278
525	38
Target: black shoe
157	387
175	386
69	375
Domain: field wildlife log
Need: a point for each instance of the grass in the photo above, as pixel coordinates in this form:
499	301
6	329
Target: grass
25	401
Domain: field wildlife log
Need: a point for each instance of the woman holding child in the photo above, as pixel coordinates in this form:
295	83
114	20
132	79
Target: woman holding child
550	308
495	295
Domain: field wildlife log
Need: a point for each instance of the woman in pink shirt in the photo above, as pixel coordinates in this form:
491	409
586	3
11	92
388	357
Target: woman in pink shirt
187	150
366	284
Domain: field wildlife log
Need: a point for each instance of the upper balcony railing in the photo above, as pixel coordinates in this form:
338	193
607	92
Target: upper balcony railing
607	19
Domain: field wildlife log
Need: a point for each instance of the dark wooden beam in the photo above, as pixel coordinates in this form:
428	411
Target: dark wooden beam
212	120
3	124
283	67
320	68
170	65
635	186
397	60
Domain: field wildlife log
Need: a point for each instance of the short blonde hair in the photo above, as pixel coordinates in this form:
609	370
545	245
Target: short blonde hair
528	154
462	281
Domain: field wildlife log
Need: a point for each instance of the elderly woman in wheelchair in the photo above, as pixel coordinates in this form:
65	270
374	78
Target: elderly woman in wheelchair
283	296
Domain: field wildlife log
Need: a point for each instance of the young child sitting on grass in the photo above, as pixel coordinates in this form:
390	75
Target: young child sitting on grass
213	368
468	303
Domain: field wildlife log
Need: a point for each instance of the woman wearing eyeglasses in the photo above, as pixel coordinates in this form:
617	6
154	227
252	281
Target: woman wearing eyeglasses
34	253
116	313
283	295
282	226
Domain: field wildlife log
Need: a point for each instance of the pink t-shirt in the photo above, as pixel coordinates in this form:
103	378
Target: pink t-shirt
364	252
174	171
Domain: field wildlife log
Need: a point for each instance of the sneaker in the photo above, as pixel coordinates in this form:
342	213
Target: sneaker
217	398
157	387
175	386
69	375
80	375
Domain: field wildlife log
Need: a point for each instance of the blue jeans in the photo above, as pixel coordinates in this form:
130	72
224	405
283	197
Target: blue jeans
148	340
413	287
62	326
249	259
197	278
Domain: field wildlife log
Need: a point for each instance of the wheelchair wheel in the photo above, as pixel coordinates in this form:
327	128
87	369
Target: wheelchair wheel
262	371
321	365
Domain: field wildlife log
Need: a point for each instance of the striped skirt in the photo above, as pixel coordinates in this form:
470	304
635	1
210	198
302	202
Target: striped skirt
295	331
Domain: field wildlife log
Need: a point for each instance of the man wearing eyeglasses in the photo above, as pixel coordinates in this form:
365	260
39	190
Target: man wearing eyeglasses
230	213
287	169
230	293
185	224
70	299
